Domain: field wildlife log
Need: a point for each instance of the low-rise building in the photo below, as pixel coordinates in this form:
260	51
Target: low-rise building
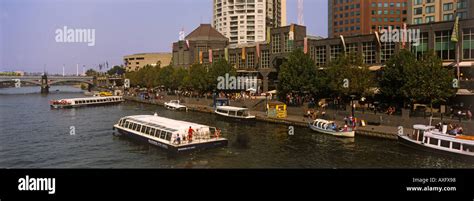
137	61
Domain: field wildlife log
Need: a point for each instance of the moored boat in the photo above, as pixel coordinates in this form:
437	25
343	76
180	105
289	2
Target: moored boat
175	105
78	102
330	127
169	134
430	139
234	112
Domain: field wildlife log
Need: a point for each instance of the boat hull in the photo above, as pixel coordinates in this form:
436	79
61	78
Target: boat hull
350	134
174	149
55	106
172	107
415	145
250	119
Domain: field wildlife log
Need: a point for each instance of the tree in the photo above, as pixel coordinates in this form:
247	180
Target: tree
219	68
350	76
178	78
196	78
430	81
399	69
116	70
91	72
165	76
410	80
300	75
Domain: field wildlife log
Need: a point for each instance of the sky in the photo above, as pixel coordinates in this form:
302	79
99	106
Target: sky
28	29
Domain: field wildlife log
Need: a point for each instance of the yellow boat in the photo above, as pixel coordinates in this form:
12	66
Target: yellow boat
465	137
105	94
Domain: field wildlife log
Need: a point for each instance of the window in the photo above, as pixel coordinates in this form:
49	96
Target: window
265	59
418	2
352	47
447	6
387	50
368	50
418	11
468	43
250	60
448	17
276	46
422	48
430	19
429	9
335	52
462	15
320	56
288	43
443	45
462	4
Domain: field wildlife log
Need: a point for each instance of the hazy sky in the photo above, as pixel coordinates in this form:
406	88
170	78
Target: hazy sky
27	29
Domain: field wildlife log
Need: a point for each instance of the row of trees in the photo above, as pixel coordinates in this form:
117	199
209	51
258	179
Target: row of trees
404	79
201	78
116	70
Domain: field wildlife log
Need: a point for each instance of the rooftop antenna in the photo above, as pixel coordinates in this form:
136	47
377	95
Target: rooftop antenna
300	12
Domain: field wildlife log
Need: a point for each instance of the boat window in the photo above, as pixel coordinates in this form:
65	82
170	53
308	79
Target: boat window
468	148
434	141
134	126
147	130
139	127
168	136
126	124
163	135
152	132
143	129
456	146
445	143
240	113
212	130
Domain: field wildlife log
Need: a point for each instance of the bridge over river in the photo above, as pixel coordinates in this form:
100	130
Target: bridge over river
46	81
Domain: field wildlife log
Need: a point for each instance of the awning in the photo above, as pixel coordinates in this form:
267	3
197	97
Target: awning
464	92
272	92
375	68
461	64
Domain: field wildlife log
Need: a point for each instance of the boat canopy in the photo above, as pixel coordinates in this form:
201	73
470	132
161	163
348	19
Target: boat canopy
422	127
230	108
166	124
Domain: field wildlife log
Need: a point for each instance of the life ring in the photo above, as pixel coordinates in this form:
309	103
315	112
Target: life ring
218	133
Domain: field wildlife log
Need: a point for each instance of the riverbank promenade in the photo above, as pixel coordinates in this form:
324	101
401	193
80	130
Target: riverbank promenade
377	125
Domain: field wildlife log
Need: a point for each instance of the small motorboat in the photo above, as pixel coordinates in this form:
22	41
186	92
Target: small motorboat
234	112
330	127
175	105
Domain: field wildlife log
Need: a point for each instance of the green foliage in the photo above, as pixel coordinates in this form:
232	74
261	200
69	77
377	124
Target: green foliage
350	76
423	81
92	72
197	78
300	75
119	70
219	68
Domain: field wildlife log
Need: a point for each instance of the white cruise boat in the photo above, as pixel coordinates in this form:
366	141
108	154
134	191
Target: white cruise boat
430	139
169	134
78	102
330	127
175	105
234	112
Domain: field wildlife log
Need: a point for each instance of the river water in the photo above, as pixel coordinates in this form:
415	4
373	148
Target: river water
34	136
